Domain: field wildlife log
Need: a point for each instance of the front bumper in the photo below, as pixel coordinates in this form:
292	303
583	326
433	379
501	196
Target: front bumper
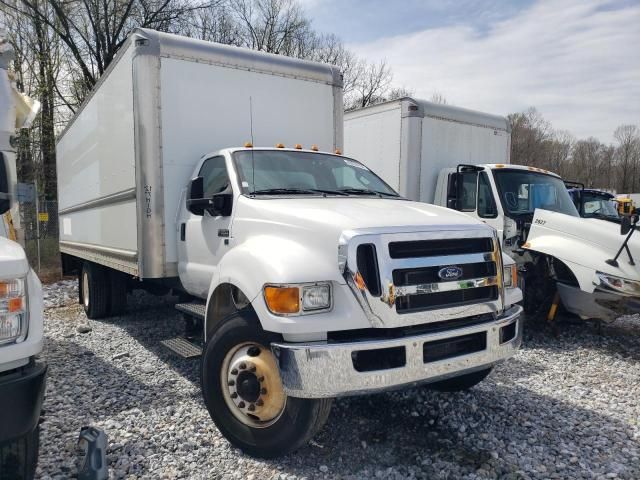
21	396
605	305
323	370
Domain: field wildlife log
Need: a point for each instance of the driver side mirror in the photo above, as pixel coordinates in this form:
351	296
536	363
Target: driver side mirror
219	204
453	188
5	194
627	224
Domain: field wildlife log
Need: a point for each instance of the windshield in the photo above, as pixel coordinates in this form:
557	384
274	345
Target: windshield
5	199
595	205
273	172
522	191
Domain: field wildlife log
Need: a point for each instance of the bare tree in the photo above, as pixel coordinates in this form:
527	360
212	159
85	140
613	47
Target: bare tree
628	157
438	97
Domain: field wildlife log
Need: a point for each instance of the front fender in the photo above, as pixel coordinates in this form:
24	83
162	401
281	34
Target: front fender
268	259
583	245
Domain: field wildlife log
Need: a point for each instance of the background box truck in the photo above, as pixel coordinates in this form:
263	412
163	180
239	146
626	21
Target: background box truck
22	378
459	158
309	276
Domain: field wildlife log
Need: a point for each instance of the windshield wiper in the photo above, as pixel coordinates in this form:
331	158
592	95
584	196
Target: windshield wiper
364	191
295	191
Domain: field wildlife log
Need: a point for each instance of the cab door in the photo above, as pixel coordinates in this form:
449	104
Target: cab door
474	195
203	239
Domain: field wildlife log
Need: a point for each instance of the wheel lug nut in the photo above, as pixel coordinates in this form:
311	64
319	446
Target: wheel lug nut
259	402
252	407
234	371
231	383
263	391
234	395
243	366
253	351
241	404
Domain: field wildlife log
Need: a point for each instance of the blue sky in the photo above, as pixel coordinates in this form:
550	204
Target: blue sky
577	61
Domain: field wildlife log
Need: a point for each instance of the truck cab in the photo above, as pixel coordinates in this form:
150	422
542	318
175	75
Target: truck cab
540	227
22	376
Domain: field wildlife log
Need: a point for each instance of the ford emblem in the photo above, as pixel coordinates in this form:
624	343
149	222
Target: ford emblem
450	273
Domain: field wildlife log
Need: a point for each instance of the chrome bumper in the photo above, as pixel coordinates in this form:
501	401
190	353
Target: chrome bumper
320	370
605	305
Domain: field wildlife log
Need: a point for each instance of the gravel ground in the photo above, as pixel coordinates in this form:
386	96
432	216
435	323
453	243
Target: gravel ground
564	407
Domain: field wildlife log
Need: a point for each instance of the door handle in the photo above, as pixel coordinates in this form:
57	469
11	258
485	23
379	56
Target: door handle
183	231
223	232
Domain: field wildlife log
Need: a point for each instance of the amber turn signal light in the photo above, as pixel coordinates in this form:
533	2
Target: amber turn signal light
15	304
282	300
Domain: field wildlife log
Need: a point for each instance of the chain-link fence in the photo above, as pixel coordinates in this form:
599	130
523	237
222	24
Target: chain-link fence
39	233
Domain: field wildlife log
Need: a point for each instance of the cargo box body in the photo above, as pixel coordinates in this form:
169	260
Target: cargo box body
408	142
125	159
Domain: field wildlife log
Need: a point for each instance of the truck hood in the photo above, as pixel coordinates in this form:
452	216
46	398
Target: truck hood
587	242
13	261
292	240
332	216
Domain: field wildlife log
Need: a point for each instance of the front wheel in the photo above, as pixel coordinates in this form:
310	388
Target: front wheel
461	383
244	394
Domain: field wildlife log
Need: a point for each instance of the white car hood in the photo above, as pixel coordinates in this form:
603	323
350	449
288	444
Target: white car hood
332	216
13	261
584	241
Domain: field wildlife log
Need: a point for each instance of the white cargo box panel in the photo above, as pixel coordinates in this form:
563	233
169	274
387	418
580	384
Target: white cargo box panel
407	141
127	156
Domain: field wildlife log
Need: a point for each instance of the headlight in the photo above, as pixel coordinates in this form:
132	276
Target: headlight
13	310
298	299
510	274
620	285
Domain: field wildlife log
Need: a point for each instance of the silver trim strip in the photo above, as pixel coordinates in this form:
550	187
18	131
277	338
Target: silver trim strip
426	288
325	370
118	252
118	197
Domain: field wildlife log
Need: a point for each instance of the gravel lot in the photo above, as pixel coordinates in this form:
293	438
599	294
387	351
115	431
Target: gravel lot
565	407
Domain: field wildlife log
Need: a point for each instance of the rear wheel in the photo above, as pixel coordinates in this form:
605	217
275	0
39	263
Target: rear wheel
463	382
244	395
95	290
19	458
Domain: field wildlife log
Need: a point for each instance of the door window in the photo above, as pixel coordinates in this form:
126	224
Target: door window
214	175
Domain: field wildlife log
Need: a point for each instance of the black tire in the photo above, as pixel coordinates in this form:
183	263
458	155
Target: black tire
117	304
463	382
19	458
96	289
300	419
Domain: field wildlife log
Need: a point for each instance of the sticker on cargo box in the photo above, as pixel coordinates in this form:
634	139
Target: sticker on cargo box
66	226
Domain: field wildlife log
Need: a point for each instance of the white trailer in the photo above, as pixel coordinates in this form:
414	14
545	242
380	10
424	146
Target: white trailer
165	101
407	142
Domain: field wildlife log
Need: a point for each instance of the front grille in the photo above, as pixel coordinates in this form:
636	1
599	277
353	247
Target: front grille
416	276
440	247
454	298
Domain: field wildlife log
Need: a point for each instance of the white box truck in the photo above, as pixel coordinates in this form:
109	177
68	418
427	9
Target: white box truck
22	375
460	158
310	277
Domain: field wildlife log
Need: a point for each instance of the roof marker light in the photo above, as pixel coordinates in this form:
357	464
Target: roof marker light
279	145
298	146
314	148
248	145
338	151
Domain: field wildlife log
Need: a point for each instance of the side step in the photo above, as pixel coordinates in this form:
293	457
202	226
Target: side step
193	309
182	347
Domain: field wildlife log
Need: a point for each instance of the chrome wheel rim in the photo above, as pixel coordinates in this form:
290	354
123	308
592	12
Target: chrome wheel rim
251	385
85	289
